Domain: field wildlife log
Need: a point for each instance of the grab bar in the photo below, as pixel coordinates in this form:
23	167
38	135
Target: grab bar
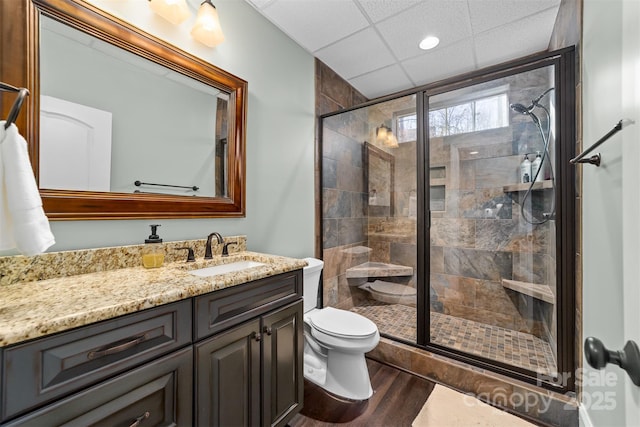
15	108
193	187
596	158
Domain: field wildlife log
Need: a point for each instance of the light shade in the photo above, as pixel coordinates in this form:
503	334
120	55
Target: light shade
207	29
174	11
385	136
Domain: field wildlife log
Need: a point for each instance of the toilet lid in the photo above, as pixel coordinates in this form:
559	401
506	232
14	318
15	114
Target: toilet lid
342	323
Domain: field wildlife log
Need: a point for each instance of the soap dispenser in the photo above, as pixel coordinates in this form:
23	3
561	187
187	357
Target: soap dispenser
152	253
537	173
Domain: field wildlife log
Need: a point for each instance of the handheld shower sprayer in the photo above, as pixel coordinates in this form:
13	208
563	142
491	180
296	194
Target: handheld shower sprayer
520	108
528	111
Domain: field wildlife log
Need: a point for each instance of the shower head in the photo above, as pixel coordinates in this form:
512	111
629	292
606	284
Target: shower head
521	109
527	111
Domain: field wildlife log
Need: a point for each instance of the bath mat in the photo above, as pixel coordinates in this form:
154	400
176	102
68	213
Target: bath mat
449	408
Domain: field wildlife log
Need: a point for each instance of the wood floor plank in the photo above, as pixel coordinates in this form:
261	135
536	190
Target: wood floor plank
397	399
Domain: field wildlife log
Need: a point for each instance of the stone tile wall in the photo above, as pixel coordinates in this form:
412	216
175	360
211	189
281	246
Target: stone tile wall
473	244
350	223
340	181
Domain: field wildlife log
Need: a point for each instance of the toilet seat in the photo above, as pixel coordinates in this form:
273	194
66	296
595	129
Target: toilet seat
341	323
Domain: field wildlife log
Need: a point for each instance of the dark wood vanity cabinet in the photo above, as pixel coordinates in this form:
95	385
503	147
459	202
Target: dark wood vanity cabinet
235	386
229	357
250	374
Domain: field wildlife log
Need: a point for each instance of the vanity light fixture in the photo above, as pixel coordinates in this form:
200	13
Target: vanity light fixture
385	136
174	11
429	42
207	29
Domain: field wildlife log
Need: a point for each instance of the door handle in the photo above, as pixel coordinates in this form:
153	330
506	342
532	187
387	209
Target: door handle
628	358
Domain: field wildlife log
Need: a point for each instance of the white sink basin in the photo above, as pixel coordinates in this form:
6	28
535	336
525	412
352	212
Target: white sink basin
225	268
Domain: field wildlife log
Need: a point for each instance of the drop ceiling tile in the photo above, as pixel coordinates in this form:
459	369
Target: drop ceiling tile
441	63
448	20
316	23
378	10
356	54
259	3
382	82
488	14
517	39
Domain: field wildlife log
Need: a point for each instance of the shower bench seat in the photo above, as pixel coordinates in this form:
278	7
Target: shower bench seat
535	290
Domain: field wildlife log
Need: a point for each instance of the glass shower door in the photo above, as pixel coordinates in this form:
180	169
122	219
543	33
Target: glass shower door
492	196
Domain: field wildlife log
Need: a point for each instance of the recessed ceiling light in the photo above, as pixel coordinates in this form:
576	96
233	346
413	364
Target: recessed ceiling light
429	42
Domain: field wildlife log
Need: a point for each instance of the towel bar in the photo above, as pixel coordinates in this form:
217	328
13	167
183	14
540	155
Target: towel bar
15	108
193	187
596	158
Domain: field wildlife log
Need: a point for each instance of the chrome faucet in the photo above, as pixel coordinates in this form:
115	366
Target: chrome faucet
207	251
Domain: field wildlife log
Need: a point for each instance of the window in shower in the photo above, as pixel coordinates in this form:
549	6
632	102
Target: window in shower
469	111
405	124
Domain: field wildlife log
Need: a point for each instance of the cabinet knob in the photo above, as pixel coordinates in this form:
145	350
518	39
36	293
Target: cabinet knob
257	336
267	330
628	358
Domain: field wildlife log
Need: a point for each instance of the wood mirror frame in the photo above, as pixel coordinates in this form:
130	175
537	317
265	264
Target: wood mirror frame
19	66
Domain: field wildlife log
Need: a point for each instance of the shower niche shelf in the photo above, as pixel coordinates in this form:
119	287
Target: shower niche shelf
535	290
516	188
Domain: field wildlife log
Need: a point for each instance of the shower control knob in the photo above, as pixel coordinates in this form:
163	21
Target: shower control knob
628	358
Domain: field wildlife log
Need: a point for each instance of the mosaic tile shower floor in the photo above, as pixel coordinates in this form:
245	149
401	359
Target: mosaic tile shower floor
493	342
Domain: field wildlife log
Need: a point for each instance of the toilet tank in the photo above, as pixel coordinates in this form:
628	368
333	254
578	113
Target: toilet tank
311	280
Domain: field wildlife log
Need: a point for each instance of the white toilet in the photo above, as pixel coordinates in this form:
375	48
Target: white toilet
335	342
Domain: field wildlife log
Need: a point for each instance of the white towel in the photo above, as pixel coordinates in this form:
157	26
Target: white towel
23	224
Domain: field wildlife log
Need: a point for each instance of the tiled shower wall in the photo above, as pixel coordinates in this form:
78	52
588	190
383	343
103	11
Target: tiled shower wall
355	231
340	182
473	249
392	235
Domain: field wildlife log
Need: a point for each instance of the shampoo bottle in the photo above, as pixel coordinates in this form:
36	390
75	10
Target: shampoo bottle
152	253
525	170
537	172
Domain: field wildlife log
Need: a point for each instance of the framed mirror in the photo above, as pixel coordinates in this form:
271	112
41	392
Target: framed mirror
121	124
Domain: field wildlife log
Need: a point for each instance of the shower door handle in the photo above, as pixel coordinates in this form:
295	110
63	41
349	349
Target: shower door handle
628	358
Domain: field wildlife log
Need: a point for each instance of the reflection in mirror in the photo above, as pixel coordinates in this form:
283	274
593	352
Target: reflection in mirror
110	119
195	139
379	169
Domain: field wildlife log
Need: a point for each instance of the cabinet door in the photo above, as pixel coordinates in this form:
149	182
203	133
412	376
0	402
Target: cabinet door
282	365
156	394
228	378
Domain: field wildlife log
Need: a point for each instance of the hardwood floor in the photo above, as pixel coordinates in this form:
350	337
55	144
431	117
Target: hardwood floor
397	399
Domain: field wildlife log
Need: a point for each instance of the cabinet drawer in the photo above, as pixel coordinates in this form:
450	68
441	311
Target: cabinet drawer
223	309
156	394
45	369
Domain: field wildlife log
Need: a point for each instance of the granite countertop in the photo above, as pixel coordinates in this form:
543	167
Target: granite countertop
31	309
